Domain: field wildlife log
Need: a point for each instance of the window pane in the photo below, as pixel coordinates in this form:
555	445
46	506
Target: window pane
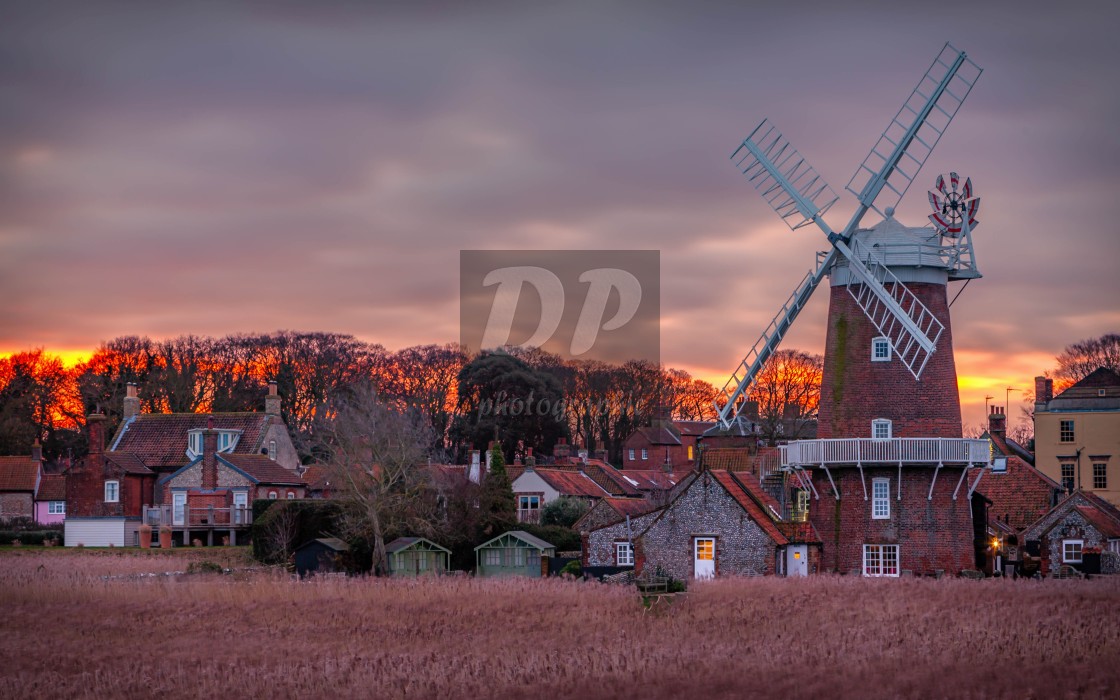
1100	475
1065	431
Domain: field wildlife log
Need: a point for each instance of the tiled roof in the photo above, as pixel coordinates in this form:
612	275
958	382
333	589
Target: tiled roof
52	487
735	487
317	477
651	479
263	469
570	483
1008	447
732	459
693	427
631	506
18	473
1020	496
799	532
129	462
1085	394
160	439
659	435
610	479
1104	523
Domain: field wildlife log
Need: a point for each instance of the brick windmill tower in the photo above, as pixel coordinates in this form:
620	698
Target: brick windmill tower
888	481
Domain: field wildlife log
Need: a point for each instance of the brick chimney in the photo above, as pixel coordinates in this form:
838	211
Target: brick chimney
1043	392
474	473
37	452
209	455
131	401
272	400
530	460
95	424
997	422
561	450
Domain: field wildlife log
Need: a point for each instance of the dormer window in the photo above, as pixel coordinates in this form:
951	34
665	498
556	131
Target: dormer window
881	349
227	441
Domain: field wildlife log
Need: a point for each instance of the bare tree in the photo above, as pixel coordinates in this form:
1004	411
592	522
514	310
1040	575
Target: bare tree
378	456
1080	359
788	392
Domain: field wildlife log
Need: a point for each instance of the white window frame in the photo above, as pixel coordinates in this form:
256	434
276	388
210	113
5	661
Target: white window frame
1063	467
227	440
1067	435
881	349
1113	546
272	450
878	560
631	455
291	496
56	507
881	423
881	498
272	495
492	557
112	491
1067	557
645	454
194	443
1102	478
623	554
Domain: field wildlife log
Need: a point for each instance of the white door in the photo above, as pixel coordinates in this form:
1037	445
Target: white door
704	550
178	508
797	560
240	506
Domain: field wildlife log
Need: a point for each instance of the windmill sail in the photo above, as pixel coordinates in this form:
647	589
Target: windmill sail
900	152
783	177
736	388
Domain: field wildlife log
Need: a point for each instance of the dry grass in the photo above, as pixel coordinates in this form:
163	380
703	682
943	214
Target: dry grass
67	631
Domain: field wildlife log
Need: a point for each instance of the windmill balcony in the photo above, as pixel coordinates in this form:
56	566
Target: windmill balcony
901	451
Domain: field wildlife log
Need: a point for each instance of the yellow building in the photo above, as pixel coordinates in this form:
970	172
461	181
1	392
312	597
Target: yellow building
1077	434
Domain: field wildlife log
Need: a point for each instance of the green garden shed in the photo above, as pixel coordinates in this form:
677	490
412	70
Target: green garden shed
412	556
515	553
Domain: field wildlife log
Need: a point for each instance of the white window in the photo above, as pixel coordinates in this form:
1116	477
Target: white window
645	453
112	491
631	455
194	443
56	507
529	508
1071	551
272	495
881	498
623	554
272	449
881	429
291	495
227	441
880	560
493	557
1113	546
881	349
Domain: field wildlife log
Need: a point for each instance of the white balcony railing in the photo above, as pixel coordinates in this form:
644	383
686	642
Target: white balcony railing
915	451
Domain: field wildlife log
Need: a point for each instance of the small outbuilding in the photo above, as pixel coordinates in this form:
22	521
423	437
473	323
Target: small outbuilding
413	556
515	553
323	555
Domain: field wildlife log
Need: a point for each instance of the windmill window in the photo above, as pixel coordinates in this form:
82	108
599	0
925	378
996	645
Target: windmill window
881	429
1067	477
881	499
881	349
880	560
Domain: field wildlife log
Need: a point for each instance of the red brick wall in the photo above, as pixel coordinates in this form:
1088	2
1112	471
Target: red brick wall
678	454
855	390
931	534
85	490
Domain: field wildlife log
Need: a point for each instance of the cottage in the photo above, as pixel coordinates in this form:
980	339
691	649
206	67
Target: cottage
413	556
718	523
515	553
322	555
664	444
1082	523
50	500
19	481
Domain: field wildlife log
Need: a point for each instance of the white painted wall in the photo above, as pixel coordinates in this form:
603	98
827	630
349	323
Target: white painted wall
531	482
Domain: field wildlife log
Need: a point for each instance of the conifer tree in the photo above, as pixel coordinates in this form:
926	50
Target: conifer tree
498	502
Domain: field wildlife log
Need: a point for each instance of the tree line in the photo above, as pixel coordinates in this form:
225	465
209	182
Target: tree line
523	398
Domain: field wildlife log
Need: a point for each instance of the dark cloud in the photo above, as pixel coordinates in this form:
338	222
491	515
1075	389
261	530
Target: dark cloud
210	168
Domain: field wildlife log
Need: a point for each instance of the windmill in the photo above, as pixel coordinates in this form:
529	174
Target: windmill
857	264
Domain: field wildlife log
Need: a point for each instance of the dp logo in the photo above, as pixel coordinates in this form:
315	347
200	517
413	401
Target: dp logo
602	305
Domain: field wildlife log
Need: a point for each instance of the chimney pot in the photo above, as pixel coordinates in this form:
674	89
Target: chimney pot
272	400
95	424
131	401
36	452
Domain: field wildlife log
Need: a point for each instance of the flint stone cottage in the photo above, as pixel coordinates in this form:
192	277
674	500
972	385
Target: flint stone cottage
20	476
1082	523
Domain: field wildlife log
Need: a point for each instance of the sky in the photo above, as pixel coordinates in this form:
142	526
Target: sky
213	168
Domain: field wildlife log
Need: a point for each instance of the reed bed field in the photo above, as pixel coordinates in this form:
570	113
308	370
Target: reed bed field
71	630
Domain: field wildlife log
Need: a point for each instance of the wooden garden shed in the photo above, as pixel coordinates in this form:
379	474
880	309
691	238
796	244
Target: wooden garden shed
321	555
412	556
515	553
